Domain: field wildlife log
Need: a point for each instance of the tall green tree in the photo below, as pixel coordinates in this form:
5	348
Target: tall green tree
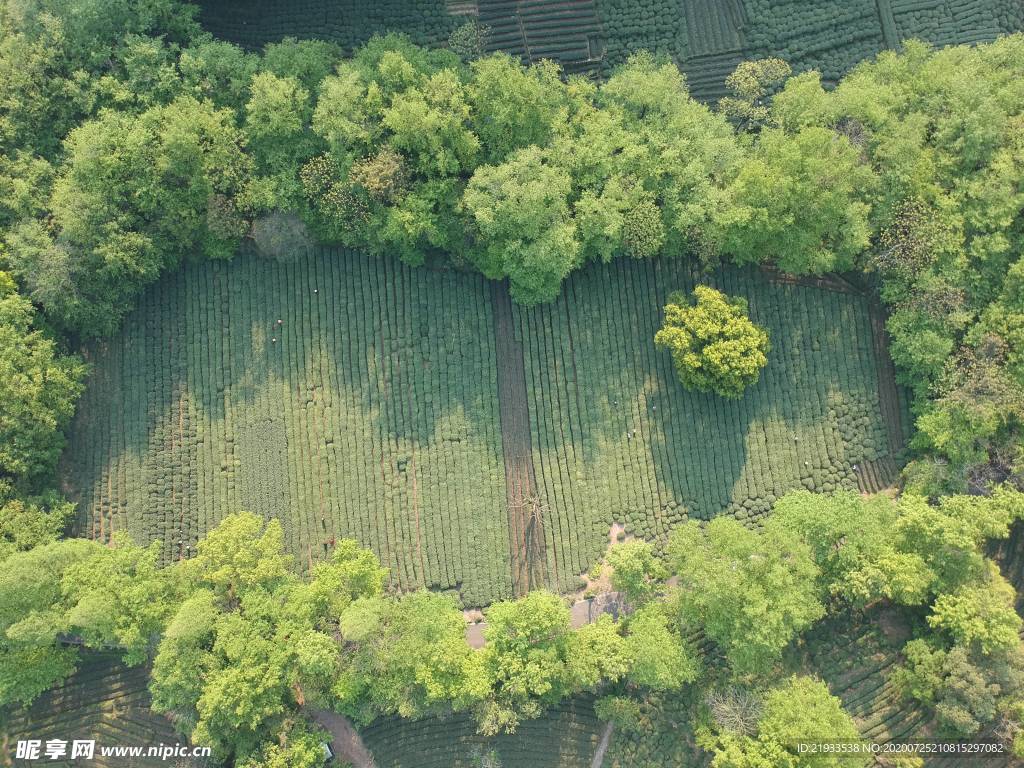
965	688
514	107
243	553
799	201
532	659
637	571
980	613
852	543
120	598
406	656
752	593
135	195
799	711
307	61
278	135
521	219
32	619
658	657
38	389
253	643
26	523
714	345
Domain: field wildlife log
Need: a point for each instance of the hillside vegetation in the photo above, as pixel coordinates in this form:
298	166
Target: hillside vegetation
403	303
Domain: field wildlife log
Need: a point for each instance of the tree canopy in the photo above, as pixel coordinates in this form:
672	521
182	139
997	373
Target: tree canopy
752	593
799	710
38	388
714	345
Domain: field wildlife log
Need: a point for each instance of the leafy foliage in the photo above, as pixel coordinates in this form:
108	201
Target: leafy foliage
821	222
714	345
532	659
659	658
637	571
912	552
135	196
752	593
407	656
801	709
853	544
38	389
521	211
28	523
967	689
749	85
31	619
980	613
250	644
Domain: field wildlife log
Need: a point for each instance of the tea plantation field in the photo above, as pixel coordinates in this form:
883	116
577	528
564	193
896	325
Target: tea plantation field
103	701
345	395
351	396
567	736
617	439
706	37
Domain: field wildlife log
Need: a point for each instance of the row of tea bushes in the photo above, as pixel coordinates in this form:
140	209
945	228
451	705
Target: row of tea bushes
566	736
834	35
856	660
964	21
616	438
830	36
105	702
635	25
341	393
254	23
566	31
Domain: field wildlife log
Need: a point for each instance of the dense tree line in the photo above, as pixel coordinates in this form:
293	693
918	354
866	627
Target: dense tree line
753	594
240	644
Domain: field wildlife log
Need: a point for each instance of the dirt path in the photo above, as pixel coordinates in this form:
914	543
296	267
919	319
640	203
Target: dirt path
888	393
875	476
525	508
345	740
606	739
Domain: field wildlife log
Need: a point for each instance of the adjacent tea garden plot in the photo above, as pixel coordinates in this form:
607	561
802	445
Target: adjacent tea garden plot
567	736
104	701
352	396
349	23
617	438
707	38
345	395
